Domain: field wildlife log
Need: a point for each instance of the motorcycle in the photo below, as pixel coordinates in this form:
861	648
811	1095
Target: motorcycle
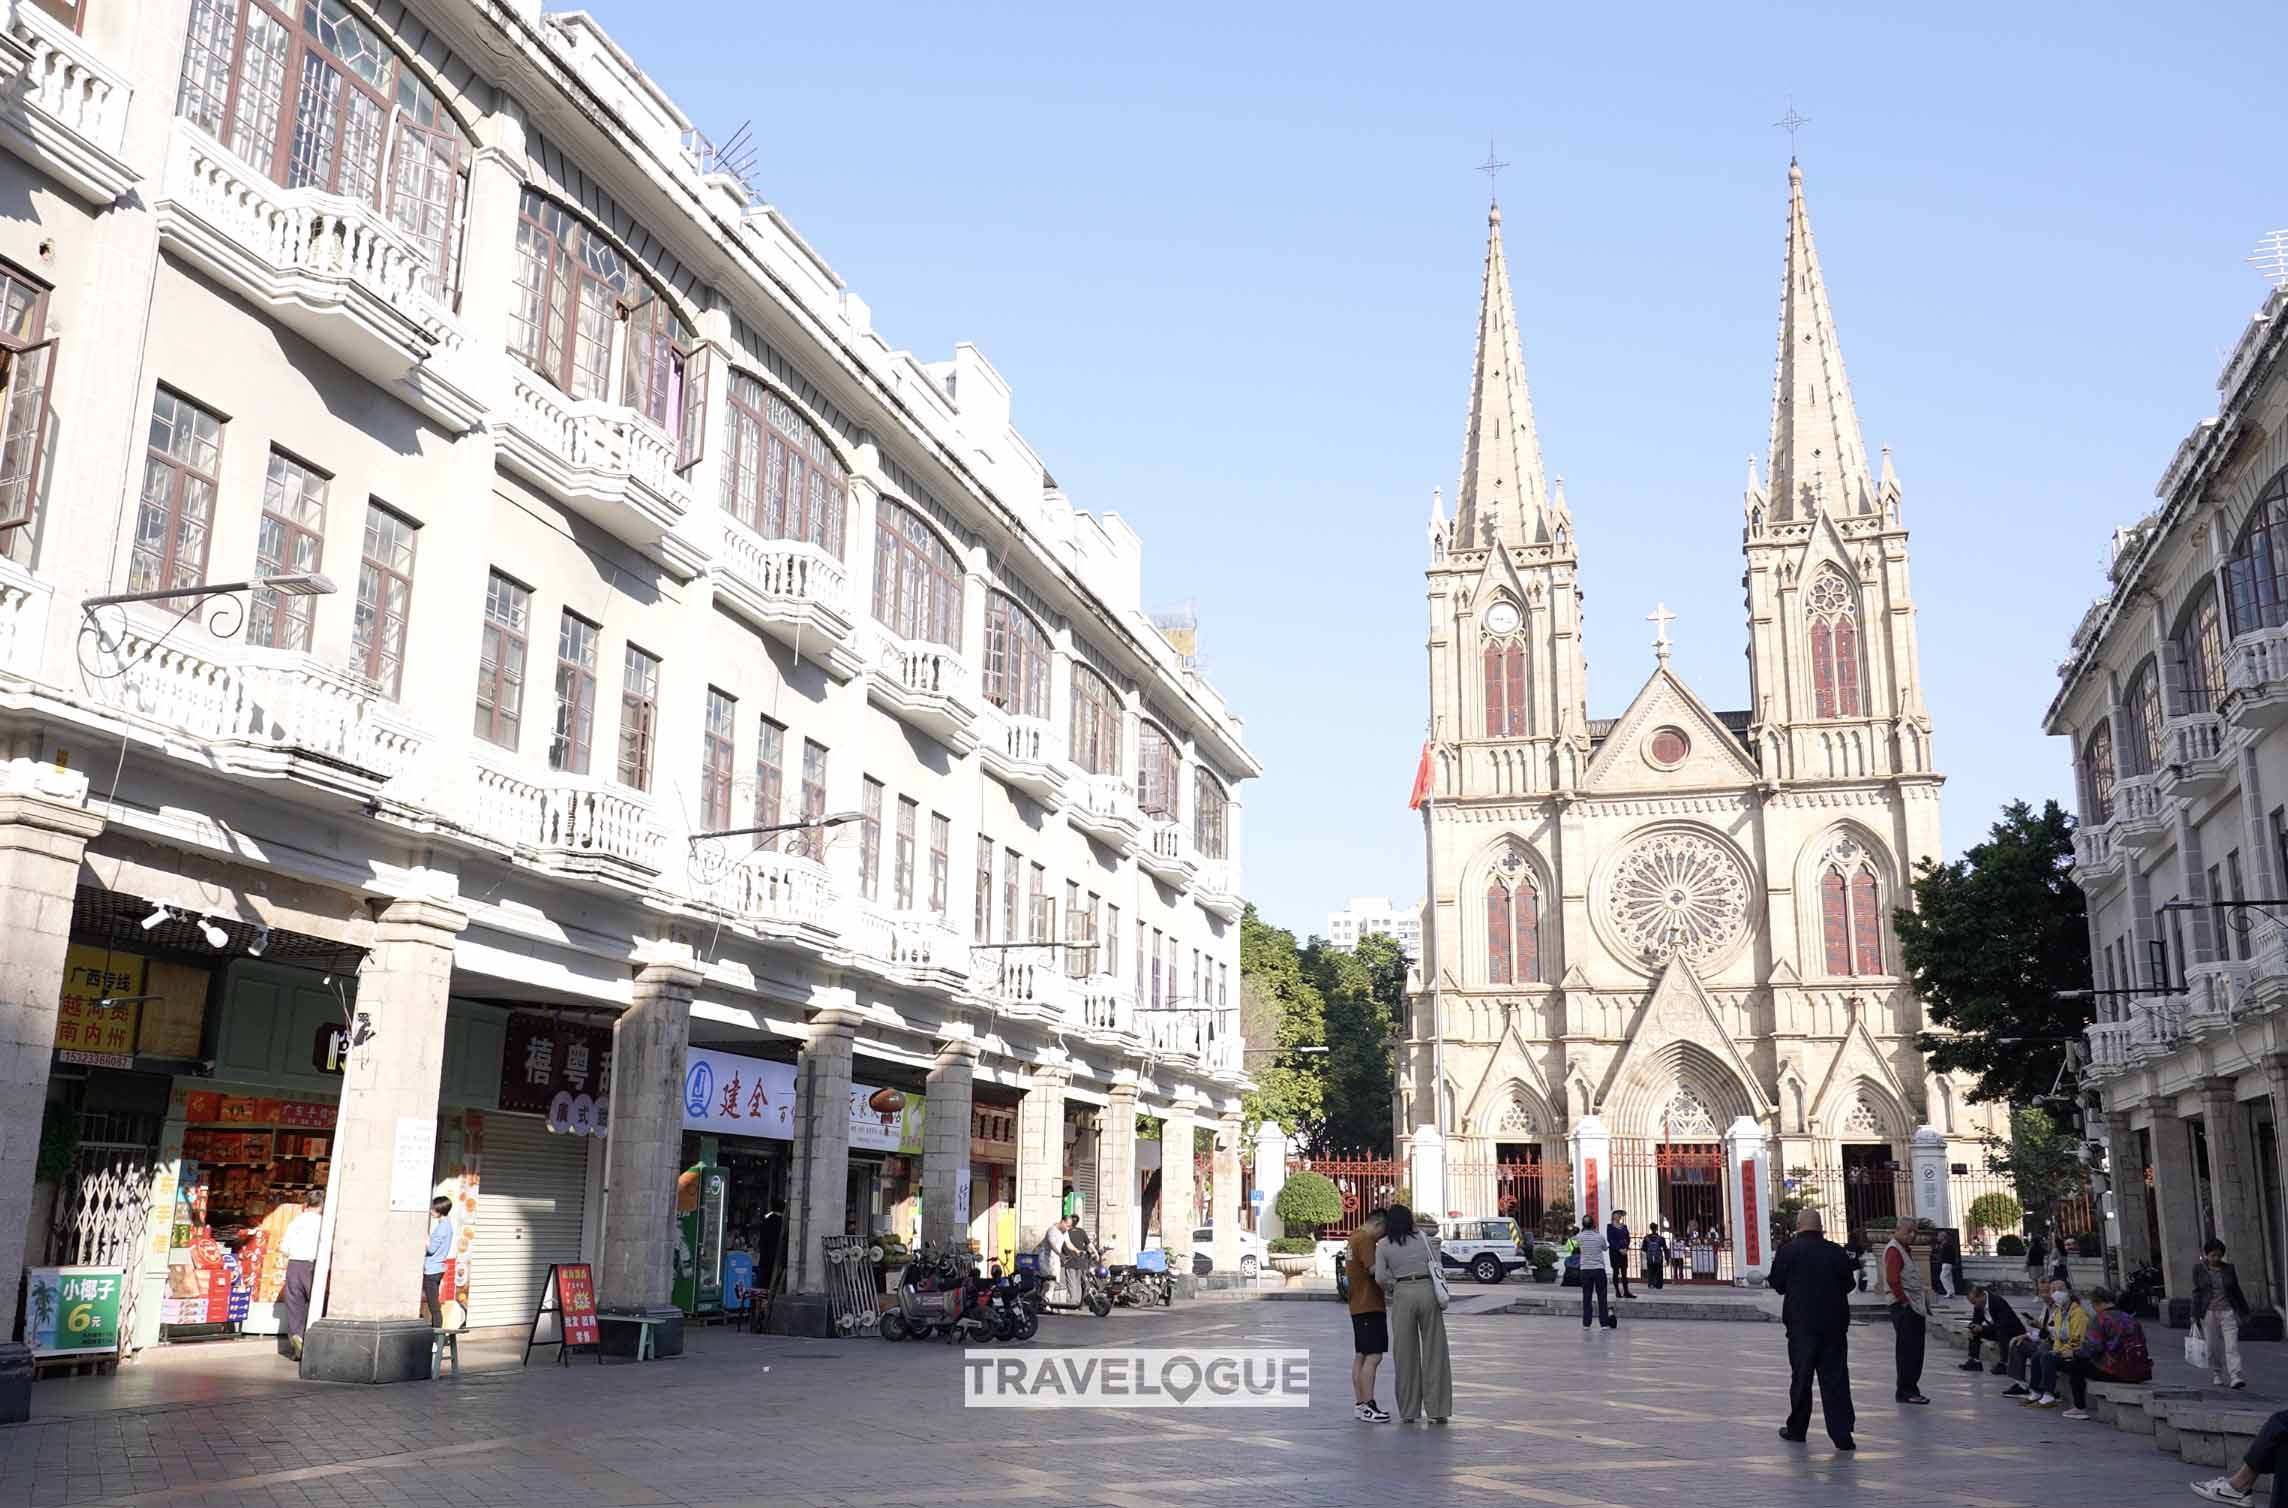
1041	1298
940	1295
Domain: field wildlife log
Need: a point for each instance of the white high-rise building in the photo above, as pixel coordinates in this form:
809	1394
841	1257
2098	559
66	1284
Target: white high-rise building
1374	913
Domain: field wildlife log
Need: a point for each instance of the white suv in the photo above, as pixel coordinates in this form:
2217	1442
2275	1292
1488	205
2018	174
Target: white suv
1486	1249
1252	1251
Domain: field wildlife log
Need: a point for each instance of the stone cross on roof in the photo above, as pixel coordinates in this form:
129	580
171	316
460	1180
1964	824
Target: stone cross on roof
1660	618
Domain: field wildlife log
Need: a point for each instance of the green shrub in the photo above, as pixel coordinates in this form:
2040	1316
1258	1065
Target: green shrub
1544	1255
1293	1246
1309	1200
2010	1246
1996	1212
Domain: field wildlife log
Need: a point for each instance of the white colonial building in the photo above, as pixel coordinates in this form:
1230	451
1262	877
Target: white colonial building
2175	691
1661	949
641	531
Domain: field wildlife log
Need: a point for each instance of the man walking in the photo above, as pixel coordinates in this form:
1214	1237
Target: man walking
2218	1308
1617	1252
1370	1320
440	1250
300	1245
1815	1278
1589	1246
1910	1306
1655	1257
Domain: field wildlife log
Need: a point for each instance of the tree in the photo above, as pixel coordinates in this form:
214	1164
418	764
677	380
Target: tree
1998	1213
1991	941
1280	1008
2042	1157
1365	993
1309	1200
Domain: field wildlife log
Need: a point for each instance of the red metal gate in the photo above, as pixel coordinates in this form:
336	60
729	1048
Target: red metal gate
1366	1184
1686	1187
1512	1187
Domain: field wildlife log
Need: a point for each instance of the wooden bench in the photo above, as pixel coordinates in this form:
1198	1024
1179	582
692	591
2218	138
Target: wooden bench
643	1337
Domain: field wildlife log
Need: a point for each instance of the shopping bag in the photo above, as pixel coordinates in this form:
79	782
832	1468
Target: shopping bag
2196	1352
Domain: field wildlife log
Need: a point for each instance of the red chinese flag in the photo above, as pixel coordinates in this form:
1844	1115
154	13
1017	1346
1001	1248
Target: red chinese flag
1421	781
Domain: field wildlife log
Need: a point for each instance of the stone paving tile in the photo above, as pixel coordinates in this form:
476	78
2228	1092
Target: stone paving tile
1546	1414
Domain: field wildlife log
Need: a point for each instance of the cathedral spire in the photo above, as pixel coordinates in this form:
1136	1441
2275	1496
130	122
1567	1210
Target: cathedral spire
1502	488
1818	458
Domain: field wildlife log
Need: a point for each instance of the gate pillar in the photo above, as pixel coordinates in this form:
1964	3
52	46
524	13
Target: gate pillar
1592	1147
1748	1171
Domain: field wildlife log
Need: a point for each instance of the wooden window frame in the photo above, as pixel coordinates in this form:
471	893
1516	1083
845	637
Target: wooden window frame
718	758
367	659
770	778
1156	790
639	716
874	796
508	644
1211	815
981	905
27	382
919	578
782	476
180	472
572	741
1097	722
266	604
1019	658
940	864
815	763
909	837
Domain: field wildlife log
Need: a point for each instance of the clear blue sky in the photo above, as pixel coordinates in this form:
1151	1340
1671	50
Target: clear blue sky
1228	257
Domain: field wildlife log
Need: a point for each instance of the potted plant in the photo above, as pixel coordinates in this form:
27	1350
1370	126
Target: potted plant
1308	1201
1292	1256
1544	1259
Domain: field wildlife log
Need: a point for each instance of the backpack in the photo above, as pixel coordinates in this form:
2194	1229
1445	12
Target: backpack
2128	1358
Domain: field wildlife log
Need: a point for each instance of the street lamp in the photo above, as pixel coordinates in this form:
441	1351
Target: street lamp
828	819
291	584
222	622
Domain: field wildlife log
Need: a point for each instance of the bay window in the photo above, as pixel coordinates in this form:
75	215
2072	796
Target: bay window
1095	723
1017	658
781	477
917	578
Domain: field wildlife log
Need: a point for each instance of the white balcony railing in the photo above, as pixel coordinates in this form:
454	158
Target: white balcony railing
269	712
1104	806
331	268
772	890
792	589
1103	1007
1217	888
2215	992
903	942
567	824
1167	852
928	685
2109	1043
2140	816
601	459
2256	678
2095	852
68	107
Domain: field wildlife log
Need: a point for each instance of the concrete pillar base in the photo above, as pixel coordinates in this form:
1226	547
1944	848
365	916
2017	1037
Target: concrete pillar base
366	1350
666	1331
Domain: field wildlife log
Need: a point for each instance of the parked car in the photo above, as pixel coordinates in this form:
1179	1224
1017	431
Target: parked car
1486	1249
1252	1251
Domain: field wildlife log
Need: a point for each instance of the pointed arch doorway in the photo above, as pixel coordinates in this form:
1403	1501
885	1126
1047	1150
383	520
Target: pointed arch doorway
1678	1177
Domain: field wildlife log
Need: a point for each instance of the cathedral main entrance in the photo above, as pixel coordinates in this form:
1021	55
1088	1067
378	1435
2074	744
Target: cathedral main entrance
1683	1185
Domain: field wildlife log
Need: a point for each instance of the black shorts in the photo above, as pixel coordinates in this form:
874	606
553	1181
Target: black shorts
1370	1333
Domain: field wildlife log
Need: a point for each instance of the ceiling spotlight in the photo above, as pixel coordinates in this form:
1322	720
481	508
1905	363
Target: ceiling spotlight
261	939
158	914
215	936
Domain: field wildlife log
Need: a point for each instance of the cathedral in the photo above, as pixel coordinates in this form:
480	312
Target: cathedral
1661	972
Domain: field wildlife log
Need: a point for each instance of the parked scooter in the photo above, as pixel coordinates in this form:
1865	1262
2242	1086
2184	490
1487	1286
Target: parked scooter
940	1295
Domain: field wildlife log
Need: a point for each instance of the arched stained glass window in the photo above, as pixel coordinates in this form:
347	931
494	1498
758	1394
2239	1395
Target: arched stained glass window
1513	928
1850	911
1833	611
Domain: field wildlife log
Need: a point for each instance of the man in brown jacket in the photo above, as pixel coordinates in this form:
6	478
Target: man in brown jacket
1370	1325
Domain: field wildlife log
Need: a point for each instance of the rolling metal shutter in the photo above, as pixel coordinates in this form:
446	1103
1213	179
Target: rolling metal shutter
531	1202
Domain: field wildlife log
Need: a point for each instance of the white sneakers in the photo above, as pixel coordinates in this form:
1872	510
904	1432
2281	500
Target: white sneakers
2221	1490
2075	1414
1369	1413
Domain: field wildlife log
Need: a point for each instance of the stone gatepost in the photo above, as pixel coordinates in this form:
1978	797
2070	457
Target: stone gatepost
1748	1175
1592	1148
1270	1177
1224	1195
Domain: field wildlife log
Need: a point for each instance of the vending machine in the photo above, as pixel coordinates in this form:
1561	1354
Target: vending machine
699	1198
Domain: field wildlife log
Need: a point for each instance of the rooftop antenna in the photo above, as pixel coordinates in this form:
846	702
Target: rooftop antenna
2271	258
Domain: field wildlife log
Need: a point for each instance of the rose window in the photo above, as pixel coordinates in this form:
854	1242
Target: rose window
1678	892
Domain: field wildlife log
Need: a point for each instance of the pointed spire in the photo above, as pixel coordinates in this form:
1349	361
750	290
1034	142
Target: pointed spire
1502	483
1818	458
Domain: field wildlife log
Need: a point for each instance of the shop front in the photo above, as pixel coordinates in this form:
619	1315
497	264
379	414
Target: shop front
993	1178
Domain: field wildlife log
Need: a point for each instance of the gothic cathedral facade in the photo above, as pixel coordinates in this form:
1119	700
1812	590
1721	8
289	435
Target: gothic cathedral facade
1665	930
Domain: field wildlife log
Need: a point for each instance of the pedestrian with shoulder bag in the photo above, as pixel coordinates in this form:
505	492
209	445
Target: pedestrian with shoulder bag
1408	1271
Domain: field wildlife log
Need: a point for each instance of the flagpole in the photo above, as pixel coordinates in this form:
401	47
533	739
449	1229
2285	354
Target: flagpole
1430	946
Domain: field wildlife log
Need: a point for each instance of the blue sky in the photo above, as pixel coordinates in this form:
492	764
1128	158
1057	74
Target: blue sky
1228	257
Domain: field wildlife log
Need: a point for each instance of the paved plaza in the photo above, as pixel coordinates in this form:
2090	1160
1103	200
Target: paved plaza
1655	1412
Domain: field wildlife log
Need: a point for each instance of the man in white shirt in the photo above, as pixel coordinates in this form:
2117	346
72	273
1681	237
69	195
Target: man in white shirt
1056	1246
301	1248
1589	1246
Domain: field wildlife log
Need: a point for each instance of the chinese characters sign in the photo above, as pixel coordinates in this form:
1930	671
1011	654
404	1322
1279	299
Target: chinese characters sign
723	1092
92	976
1749	1218
576	1292
543	1057
72	1310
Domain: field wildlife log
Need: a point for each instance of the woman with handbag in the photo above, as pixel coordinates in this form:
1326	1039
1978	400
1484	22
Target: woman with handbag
1408	1271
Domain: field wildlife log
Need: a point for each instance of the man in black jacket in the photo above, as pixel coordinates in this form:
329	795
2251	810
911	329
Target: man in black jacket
1815	1278
1617	1252
2219	1307
1991	1319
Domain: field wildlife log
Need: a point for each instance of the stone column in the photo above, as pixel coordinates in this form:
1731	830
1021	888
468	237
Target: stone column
1115	1211
2174	1196
44	827
1224	1196
2236	1187
1426	1172
385	1140
818	1201
1748	1177
644	1155
945	1142
2126	1173
1592	1148
1176	1185
1270	1177
1041	1152
1926	1161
